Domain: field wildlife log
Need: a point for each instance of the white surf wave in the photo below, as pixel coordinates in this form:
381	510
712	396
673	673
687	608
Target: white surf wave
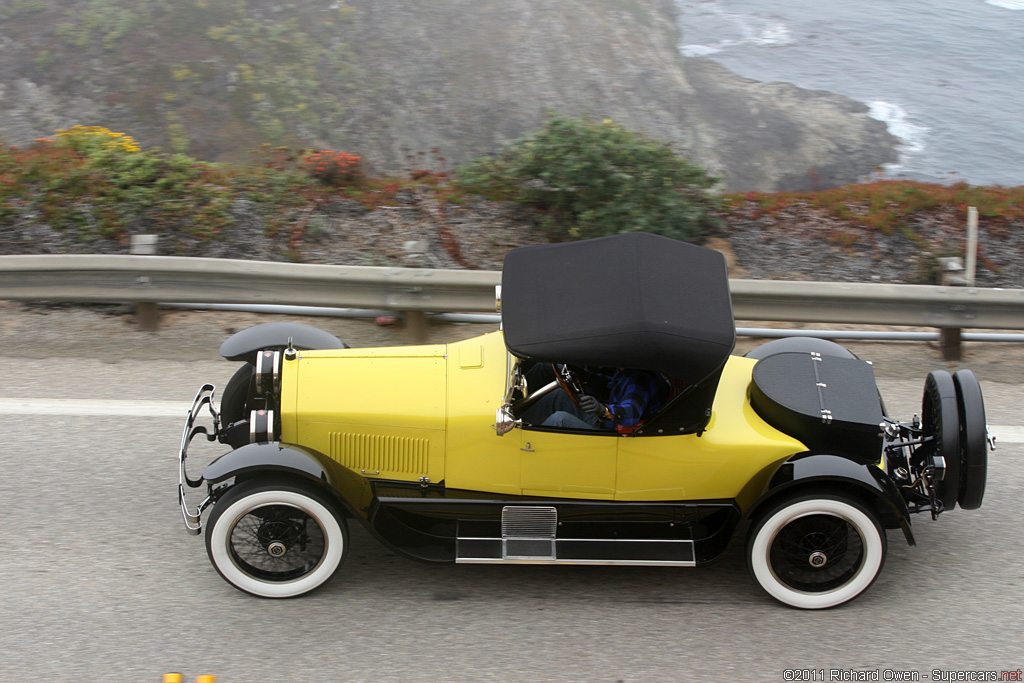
736	29
912	135
699	50
1007	4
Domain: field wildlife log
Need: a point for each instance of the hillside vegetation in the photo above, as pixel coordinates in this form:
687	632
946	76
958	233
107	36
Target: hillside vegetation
88	189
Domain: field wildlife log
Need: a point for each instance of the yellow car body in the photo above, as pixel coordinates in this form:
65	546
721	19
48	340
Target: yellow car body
409	413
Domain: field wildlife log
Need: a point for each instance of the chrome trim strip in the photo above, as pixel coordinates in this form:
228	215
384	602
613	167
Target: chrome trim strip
626	540
518	559
634	563
582	540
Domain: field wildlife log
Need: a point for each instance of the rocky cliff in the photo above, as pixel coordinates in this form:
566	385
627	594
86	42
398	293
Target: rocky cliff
399	78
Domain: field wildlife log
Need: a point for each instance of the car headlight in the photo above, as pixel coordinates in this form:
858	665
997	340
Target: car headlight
261	426
268	373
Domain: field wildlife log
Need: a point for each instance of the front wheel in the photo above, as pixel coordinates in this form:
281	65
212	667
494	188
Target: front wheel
815	552
236	395
276	539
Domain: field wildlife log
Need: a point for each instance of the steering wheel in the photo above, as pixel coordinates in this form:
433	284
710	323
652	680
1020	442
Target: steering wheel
568	381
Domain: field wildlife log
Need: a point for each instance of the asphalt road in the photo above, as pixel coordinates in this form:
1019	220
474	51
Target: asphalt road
99	581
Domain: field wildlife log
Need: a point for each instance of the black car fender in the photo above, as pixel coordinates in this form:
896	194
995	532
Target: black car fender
245	344
351	491
811	470
263	457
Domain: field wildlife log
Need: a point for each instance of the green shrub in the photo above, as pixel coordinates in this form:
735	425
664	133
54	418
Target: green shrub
592	179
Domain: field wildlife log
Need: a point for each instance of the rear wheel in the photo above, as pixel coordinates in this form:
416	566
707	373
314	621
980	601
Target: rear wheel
276	539
816	551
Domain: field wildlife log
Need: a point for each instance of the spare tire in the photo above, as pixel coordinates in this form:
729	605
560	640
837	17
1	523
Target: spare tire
973	439
940	421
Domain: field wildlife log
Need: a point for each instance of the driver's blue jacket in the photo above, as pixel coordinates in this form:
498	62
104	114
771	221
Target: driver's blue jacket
633	395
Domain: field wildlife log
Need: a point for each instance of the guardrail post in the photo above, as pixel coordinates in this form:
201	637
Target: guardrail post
951	273
949	342
416	324
147	316
414	256
972	245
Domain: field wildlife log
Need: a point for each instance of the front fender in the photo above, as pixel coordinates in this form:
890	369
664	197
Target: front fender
352	491
245	344
833	471
263	457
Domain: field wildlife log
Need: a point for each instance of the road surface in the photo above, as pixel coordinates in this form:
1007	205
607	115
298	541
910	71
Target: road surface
99	581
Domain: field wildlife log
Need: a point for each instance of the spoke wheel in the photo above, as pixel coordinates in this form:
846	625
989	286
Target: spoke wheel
276	540
816	552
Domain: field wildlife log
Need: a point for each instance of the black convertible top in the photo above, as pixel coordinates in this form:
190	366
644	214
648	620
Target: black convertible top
636	300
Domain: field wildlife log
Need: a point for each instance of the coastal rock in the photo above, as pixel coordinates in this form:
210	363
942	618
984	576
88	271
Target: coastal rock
411	83
775	136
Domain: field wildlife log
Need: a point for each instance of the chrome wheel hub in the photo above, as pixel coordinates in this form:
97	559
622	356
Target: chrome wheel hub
277	549
817	559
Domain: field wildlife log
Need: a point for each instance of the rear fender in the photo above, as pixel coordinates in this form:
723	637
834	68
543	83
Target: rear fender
832	472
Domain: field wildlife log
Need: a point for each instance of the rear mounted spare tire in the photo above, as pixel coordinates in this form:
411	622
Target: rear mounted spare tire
973	439
940	420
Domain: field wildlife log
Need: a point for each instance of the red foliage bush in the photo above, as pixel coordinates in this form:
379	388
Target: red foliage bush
334	168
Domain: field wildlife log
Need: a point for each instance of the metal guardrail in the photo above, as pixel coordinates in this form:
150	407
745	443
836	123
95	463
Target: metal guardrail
878	304
169	279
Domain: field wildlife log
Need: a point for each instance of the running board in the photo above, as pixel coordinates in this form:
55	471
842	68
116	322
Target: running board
529	536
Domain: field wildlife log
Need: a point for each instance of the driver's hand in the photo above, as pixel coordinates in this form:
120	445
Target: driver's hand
591	405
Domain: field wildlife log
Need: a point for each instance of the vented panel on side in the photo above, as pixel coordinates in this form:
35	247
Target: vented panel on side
528	532
380	453
526	521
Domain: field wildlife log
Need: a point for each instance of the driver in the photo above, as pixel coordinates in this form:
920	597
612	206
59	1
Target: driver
633	395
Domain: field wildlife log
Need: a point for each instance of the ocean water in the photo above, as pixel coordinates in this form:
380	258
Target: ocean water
947	76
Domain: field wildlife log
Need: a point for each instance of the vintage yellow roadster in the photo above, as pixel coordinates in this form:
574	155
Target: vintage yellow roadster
786	452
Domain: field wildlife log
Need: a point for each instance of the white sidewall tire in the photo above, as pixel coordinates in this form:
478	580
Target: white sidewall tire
220	533
869	530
